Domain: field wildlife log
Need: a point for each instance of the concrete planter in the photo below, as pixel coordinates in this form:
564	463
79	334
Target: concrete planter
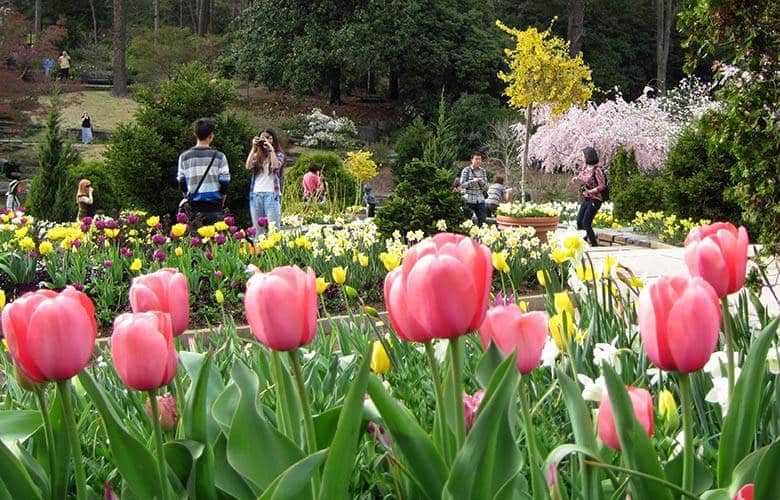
542	225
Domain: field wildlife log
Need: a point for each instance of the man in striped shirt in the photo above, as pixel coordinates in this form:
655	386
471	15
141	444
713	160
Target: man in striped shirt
206	201
473	182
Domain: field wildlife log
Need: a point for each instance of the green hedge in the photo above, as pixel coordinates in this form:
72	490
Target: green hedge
630	190
342	185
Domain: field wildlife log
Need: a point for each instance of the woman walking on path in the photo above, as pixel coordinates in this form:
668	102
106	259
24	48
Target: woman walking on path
86	128
266	161
85	200
593	183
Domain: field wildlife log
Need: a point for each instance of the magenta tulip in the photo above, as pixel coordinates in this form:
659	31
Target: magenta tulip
745	493
679	320
51	335
513	330
642	402
441	290
143	351
165	290
471	404
718	253
281	307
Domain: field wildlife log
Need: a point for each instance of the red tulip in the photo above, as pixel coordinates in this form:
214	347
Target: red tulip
165	290
50	335
642	402
441	290
513	330
718	253
281	307
679	321
166	405
143	351
745	493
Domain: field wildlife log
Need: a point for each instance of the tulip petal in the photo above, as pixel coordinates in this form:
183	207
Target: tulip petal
693	326
141	353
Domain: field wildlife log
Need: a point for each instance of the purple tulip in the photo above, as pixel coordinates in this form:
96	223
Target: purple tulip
100	225
78	286
100	240
194	242
159	239
84	227
209	255
251	232
238	235
76	243
233	229
126	252
108	263
218	273
159	255
503	300
32	254
111	224
262	221
158	227
182	218
132	219
229	220
87	220
220	239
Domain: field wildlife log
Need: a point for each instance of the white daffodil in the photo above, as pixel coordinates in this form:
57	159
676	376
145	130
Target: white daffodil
345	361
773	360
592	389
440	350
307	355
716	366
607	352
719	393
550	353
655	375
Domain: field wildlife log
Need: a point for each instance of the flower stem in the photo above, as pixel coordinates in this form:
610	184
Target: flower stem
729	333
537	481
687	414
158	442
456	352
308	421
440	408
39	394
63	386
282	407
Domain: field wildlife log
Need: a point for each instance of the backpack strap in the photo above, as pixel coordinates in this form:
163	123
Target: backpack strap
191	195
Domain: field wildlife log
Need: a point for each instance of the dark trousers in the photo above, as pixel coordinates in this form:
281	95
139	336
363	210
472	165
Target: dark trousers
480	211
206	214
588	209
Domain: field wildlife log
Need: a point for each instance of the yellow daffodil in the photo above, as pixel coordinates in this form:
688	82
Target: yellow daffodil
390	260
667	409
152	221
266	244
499	262
636	282
21	232
303	242
178	230
363	260
580	337
574	242
112	233
322	285
563	304
339	274
610	263
179	252
585	273
560	255
27	244
540	276
221	226
380	362
219	297
45	247
206	231
136	265
558	330
2	299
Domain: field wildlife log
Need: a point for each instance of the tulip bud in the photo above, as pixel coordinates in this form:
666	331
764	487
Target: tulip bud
166	406
642	403
166	290
371	312
471	405
380	362
23	380
746	492
351	292
667	409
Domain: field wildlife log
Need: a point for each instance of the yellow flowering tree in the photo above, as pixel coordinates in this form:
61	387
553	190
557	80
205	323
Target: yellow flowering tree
362	165
541	72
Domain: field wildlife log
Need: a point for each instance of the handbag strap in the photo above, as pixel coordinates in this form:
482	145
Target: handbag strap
204	176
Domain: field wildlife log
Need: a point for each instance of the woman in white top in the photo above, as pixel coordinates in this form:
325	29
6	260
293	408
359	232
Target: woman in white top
265	160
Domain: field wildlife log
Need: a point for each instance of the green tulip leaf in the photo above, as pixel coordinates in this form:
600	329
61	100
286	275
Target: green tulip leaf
180	455
325	426
488	364
477	456
135	462
719	494
739	426
224	407
637	449
249	430
226	479
745	471
702	477
18	425
14	476
214	386
196	426
423	461
343	448
295	482
767	480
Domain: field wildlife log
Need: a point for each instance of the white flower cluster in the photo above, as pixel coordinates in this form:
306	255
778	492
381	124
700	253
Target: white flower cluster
328	131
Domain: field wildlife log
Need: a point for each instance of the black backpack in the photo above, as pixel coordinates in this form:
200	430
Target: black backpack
605	193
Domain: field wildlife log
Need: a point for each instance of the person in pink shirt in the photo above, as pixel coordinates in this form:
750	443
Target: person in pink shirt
593	183
313	184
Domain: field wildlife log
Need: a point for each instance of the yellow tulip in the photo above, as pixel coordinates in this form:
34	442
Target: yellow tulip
339	274
380	362
322	285
5	345
27	244
499	262
221	226
2	299
179	252
45	247
152	221
266	244
390	260
219	297
178	230
667	409
540	276
206	231
112	233
363	260
136	265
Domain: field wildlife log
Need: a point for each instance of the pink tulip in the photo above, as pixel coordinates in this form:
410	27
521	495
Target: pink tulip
471	405
50	335
165	290
441	290
166	405
718	253
281	307
513	330
679	319
143	351
642	402
745	493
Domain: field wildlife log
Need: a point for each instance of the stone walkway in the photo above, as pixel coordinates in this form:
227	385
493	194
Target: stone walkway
650	263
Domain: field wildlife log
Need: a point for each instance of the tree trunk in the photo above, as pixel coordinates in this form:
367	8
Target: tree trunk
576	14
203	21
120	68
665	15
529	113
37	26
94	21
393	89
156	14
334	86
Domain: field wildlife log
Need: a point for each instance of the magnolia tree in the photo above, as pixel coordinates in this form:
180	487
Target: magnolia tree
541	72
648	126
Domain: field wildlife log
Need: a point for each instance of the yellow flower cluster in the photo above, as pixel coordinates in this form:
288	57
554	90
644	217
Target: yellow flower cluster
606	219
669	228
361	165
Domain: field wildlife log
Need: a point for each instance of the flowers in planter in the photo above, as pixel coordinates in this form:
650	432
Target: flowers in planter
519	209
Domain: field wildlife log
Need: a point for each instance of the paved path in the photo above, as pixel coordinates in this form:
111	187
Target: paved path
651	263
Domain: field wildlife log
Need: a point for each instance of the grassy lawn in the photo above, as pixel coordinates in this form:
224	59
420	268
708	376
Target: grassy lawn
106	110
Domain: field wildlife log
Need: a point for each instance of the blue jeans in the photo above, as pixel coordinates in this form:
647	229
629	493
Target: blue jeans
265	205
